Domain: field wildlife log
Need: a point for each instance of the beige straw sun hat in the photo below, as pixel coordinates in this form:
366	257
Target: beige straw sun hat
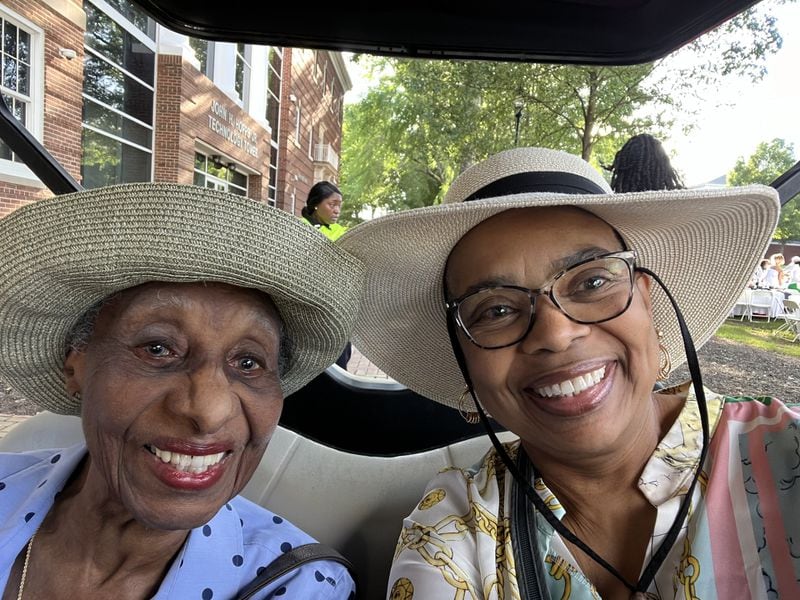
702	243
62	255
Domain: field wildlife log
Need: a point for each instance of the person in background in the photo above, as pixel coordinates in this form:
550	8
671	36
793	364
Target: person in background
793	274
556	313
760	274
322	209
641	165
169	319
775	277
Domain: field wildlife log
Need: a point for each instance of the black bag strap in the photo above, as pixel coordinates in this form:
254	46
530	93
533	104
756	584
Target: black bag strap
527	559
289	561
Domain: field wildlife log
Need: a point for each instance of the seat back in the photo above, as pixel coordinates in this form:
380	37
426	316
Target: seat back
353	502
791	307
760	303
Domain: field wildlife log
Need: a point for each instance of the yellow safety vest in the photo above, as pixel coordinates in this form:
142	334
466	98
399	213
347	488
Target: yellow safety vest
333	231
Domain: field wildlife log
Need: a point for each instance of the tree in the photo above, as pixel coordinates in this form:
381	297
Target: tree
767	163
426	120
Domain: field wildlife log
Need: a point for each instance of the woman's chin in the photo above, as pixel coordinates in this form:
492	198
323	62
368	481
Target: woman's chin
175	518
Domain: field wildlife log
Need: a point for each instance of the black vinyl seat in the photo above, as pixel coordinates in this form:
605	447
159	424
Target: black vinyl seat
372	417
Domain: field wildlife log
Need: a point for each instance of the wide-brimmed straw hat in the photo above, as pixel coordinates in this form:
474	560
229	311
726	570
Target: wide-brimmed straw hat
703	244
62	255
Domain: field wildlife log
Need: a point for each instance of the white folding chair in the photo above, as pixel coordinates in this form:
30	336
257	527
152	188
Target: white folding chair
793	321
740	308
791	312
759	305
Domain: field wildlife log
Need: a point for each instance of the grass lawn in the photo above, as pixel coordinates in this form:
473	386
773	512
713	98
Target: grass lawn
759	334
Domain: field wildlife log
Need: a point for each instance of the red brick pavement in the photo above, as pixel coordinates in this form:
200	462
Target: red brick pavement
359	365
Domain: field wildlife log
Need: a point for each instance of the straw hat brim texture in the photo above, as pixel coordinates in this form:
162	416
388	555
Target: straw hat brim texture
62	255
703	243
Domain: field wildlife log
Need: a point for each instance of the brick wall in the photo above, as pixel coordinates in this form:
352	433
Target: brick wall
63	83
311	78
184	100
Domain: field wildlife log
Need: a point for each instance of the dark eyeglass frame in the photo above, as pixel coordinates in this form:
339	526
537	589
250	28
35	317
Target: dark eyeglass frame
628	256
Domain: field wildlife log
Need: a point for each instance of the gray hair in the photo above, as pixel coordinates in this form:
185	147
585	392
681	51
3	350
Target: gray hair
81	332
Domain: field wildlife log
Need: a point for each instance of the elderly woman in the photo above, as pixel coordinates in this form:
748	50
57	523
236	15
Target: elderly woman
169	319
536	295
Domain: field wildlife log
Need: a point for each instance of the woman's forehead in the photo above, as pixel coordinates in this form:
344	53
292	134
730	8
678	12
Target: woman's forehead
155	295
539	241
544	229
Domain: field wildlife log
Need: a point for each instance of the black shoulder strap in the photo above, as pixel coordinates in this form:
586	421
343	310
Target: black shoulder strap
523	536
291	560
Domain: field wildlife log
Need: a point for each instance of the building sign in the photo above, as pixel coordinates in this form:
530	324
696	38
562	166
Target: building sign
224	122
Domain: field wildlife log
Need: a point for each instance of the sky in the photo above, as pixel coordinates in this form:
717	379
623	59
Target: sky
761	112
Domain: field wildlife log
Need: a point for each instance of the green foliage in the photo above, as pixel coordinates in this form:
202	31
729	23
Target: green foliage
769	161
426	121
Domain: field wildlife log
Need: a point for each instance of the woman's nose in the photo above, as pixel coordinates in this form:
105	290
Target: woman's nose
552	330
207	398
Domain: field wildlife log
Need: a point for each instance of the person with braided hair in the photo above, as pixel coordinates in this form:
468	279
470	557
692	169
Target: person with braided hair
641	165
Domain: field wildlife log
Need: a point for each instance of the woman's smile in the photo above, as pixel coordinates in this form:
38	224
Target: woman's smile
189	473
197	470
574	395
192	463
573	385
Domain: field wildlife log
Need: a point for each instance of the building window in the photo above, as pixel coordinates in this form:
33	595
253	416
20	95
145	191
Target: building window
242	71
118	100
211	172
22	69
274	90
274	118
131	14
204	53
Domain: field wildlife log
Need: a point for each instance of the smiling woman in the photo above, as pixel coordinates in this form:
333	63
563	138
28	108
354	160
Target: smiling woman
169	319
555	305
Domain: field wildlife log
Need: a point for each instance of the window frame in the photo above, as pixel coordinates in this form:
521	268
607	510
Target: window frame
245	58
12	171
152	45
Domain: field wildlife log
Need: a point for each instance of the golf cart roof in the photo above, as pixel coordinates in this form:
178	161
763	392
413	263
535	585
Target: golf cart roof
603	32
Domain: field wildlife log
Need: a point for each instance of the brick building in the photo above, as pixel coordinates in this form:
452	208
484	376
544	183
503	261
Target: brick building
116	98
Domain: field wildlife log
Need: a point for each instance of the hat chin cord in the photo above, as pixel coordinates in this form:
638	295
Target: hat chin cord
669	540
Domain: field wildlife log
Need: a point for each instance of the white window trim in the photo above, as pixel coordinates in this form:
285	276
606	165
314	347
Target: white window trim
247	75
123	22
298	123
10	171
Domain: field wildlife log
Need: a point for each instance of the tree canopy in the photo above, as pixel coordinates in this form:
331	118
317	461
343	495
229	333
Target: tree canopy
765	165
426	120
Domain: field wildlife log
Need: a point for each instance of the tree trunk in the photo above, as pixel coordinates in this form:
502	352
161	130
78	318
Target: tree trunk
589	117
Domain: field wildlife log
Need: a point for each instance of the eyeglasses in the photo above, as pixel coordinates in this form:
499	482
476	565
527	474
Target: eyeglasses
594	290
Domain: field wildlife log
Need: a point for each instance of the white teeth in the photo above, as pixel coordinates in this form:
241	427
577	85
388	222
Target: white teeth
573	386
187	462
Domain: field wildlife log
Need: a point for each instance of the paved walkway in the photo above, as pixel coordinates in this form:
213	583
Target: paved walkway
358	365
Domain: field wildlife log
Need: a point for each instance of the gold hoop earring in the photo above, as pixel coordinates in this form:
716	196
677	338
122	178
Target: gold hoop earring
470	416
664	362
